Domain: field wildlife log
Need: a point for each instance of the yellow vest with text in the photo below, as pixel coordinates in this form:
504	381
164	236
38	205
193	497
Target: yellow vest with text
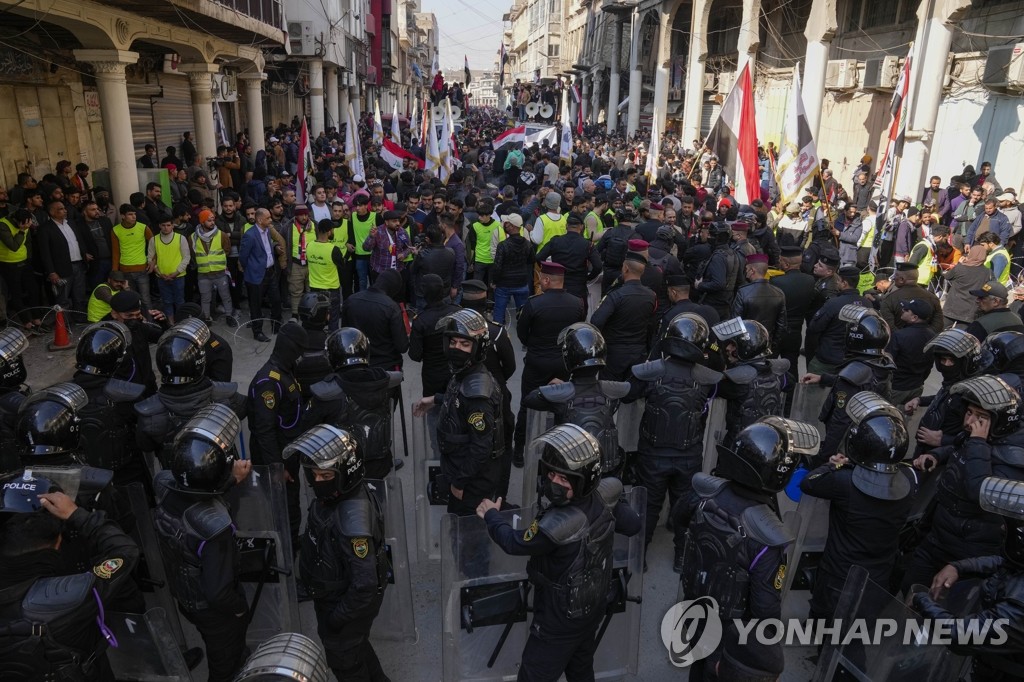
168	256
552	228
361	230
1003	277
323	273
132	242
8	256
212	258
297	237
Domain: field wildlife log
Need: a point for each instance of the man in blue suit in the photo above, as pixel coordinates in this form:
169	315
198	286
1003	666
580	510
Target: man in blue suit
259	269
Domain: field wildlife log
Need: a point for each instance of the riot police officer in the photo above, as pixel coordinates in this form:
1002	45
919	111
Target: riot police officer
752	383
12	392
36	590
1002	354
344	560
735	551
866	367
585	400
196	533
624	318
274	406
871	491
721	275
798	288
220	359
108	420
989	445
469	426
1002	592
312	366
184	387
826	332
957	355
357	398
677	390
570	548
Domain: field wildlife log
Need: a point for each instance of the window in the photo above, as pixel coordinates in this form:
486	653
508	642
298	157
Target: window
724	30
553	8
552	50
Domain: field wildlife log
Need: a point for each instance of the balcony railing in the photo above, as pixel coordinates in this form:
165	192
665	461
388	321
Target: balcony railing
267	11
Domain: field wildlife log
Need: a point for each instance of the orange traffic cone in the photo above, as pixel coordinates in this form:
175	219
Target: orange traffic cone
61	336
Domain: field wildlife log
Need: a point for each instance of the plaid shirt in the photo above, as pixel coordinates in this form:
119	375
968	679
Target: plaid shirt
387	249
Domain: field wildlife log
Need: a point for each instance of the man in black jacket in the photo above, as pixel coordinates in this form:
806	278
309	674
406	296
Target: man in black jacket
512	273
576	254
426	341
232	221
65	250
720	276
759	300
375	313
432	258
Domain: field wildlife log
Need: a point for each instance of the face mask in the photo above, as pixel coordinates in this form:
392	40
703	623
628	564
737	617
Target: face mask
557	495
949	372
458	360
325	491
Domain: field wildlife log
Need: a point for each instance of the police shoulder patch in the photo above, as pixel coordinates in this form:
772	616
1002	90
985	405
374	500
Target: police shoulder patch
274	375
107	568
530	532
780	576
360	547
214	344
269	399
841	399
477	421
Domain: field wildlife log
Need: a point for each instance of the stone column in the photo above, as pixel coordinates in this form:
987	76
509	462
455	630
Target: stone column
821	28
200	80
693	98
749	39
595	97
355	102
331	86
109	67
584	96
252	82
636	81
316	97
661	74
342	106
613	77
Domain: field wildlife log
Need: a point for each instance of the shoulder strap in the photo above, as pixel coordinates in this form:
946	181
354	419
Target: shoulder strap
563	524
208	518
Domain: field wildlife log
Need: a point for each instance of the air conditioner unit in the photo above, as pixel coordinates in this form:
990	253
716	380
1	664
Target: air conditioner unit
841	74
1004	68
300	37
725	82
709	83
881	73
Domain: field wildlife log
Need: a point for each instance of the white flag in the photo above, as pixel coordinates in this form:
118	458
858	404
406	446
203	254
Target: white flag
651	168
396	130
378	127
565	149
433	160
798	155
353	154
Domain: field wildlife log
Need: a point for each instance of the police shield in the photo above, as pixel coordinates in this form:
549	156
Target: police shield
431	497
807	402
486	599
143	647
627	420
263	536
538	423
714	434
396	619
805	556
906	655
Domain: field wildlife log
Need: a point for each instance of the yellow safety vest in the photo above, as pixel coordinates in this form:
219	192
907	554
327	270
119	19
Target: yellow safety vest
132	242
97	308
361	230
926	268
168	256
552	228
599	230
867	235
298	238
8	256
1003	276
323	274
482	252
339	236
212	259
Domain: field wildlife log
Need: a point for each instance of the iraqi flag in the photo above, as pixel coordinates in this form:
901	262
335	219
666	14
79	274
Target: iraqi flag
469	76
502	59
307	171
734	138
394	155
515	135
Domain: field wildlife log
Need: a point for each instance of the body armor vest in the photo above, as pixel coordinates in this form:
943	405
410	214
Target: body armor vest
452	434
674	409
367	415
592	406
764	398
108	440
162	416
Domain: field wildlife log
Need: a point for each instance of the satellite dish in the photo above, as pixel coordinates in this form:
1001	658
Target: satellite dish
532	109
547	111
456	113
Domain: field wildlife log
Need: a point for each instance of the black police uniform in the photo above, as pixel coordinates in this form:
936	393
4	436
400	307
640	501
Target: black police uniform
140	368
312	366
344	567
760	300
624	318
721	275
588	402
913	363
274	406
578	256
798	289
540	322
565	621
671	445
752	389
219	358
862	531
867	373
108	426
36	589
706	312
470	436
661	259
612	248
960	528
826	333
426	346
822	244
160	416
375	313
500	361
736	554
10	401
197	541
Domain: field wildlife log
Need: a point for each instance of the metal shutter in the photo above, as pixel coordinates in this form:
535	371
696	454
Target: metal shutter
708	116
142	122
172	113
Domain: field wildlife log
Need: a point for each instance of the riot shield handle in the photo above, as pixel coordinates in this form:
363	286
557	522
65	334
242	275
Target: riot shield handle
618	604
524	591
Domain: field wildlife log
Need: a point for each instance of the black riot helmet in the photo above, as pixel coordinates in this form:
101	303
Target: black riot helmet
750	336
866	332
1005	497
995	396
202	456
102	348
47	423
686	337
876	443
329	448
572	451
347	347
766	453
12	367
721	234
464	324
314	307
960	345
582	346
19	493
181	352
999	352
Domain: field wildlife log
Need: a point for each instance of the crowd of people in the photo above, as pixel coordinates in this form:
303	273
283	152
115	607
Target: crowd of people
663	291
